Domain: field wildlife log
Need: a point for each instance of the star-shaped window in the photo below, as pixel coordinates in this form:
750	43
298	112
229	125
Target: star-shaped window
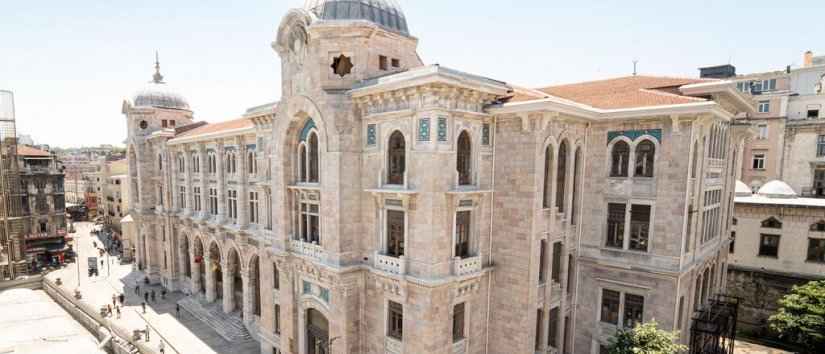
341	65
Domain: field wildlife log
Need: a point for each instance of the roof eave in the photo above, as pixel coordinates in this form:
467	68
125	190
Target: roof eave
213	135
556	104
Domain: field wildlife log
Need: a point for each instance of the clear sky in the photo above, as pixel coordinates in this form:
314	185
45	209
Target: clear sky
71	63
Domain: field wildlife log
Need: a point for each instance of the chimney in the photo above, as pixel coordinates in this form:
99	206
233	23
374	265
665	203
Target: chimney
808	59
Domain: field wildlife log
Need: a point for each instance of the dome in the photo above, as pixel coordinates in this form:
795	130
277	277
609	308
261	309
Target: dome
158	94
777	189
385	13
742	189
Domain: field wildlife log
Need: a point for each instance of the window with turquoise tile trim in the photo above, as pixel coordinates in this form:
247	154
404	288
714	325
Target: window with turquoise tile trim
635	134
325	294
371	139
442	129
424	129
307	287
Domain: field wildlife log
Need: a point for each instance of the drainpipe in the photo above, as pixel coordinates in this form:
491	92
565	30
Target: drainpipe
492	206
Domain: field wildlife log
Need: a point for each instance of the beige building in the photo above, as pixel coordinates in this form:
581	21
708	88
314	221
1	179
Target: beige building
384	205
779	241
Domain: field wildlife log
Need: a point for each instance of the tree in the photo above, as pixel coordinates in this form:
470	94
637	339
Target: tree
801	316
645	338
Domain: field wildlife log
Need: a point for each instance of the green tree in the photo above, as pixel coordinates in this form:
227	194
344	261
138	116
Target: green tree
645	338
801	316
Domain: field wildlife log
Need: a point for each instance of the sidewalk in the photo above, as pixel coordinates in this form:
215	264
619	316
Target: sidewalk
182	335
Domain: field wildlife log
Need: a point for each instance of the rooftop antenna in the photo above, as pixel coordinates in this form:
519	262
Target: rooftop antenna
157	78
635	62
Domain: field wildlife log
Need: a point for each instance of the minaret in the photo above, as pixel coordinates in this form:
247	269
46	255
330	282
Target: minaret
157	78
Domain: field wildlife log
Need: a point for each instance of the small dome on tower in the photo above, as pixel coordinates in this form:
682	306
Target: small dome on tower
158	94
742	189
777	189
385	13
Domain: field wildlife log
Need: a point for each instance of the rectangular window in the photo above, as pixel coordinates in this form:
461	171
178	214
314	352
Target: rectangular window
634	306
731	246
232	198
553	328
610	306
813	114
382	62
276	277
213	201
758	161
763	131
570	273
277	316
253	208
542	261
555	272
816	250
639	227
615	225
764	107
396	63
820	146
539	319
395	318
182	196
309	230
679	313
458	322
769	245
196	198
395	233
163	123
462	234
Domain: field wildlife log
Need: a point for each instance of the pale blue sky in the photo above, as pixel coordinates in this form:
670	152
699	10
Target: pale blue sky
71	63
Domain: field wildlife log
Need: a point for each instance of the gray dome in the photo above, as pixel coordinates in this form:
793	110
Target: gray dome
386	13
161	96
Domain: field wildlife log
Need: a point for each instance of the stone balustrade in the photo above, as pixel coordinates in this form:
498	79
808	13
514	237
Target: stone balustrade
460	347
390	264
394	346
307	249
464	266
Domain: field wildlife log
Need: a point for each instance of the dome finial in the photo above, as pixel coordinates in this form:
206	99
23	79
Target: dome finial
157	78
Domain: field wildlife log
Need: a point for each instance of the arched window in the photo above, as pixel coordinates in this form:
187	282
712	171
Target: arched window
396	159
819	226
561	176
464	159
213	166
302	156
620	157
694	165
196	164
231	163
312	156
645	152
548	165
576	178
772	223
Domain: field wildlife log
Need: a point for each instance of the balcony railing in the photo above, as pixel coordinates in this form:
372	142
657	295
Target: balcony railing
460	347
464	266
390	264
393	345
307	249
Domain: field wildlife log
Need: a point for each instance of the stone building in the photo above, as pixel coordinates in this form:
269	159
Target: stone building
384	205
779	241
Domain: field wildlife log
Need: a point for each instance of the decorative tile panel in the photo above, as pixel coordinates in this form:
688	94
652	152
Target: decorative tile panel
307	127
324	294
442	129
424	129
371	135
635	134
485	134
307	287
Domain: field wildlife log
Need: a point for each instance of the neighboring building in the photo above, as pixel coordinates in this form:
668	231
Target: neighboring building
778	241
12	259
383	205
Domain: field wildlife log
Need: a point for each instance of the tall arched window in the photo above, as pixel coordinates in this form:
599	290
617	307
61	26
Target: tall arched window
645	153
576	177
308	157
561	176
196	164
396	158
694	165
464	159
251	163
619	159
213	166
312	156
302	156
548	165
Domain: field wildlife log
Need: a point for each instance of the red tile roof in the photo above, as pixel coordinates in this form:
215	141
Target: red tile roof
25	150
617	93
212	128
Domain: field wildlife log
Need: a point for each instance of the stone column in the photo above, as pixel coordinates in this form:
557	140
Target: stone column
228	286
210	276
247	301
243	189
195	274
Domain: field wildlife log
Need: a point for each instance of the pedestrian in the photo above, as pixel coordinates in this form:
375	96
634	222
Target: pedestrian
114	300
146	296
153	295
122	297
101	261
143	305
117	308
109	309
137	289
147	332
163	293
161	347
177	310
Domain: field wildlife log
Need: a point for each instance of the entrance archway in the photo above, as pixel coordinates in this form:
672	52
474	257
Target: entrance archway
216	260
255	285
184	255
233	273
200	268
317	332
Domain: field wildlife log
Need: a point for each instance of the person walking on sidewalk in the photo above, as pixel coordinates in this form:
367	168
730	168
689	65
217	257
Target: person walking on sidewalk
146	297
122	298
153	295
143	305
177	310
161	347
137	289
114	300
147	332
117	308
163	294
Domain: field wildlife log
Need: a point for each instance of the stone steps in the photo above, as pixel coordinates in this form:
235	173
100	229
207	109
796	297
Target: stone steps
227	325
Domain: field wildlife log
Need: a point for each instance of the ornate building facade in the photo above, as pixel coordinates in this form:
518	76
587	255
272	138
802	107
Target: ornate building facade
384	205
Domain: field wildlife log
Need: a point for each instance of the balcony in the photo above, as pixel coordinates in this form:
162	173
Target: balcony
460	347
310	250
390	264
394	346
465	266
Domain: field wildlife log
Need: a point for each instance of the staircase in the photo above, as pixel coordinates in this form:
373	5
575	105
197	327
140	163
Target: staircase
228	325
